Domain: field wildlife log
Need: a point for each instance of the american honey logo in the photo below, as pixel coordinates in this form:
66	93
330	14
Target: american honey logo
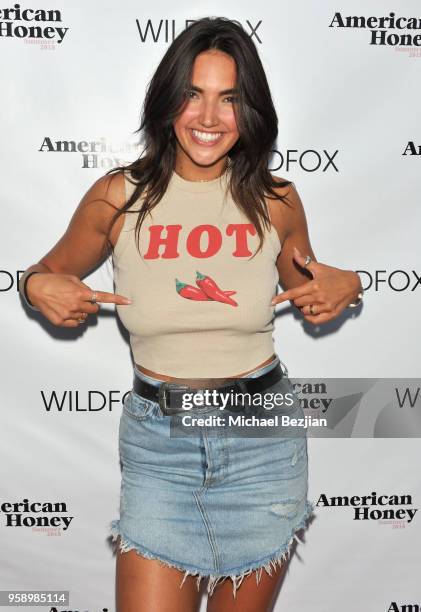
36	515
388	30
374	507
19	22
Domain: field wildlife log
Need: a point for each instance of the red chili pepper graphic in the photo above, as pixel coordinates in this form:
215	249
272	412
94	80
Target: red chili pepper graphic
209	281
190	292
209	286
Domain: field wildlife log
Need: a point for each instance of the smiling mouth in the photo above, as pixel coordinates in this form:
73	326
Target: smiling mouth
206	138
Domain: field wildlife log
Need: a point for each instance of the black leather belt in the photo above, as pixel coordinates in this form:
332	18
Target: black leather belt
169	395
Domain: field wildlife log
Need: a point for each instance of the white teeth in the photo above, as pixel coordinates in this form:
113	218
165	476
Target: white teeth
207	137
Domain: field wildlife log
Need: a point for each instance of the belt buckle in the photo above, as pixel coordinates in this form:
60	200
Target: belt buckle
164	396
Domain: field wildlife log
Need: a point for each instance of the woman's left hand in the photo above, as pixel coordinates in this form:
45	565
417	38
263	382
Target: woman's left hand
329	293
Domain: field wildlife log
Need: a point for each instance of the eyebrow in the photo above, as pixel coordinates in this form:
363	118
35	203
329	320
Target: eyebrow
221	93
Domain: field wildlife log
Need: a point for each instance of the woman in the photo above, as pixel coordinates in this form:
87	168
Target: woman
200	233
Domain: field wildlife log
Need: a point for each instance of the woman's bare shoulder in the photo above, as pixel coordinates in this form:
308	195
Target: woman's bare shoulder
106	196
111	189
81	247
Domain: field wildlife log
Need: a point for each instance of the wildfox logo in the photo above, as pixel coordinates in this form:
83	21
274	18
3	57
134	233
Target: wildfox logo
165	29
396	280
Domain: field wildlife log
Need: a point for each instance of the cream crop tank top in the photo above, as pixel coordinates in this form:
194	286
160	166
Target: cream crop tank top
200	308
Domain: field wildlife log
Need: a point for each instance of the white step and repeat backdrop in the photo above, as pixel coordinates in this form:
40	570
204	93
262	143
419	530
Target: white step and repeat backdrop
346	80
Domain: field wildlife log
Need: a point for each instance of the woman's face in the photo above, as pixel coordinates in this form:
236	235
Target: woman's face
207	129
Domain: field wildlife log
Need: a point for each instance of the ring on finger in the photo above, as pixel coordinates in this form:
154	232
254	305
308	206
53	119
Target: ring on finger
93	298
310	309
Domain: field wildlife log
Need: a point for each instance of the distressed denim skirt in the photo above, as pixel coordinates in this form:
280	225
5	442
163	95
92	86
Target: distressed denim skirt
216	504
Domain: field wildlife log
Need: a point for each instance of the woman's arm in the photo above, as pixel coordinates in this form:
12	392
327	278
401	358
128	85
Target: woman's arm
328	290
81	248
57	290
291	224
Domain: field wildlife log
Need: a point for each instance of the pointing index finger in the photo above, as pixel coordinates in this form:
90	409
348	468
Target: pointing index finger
291	294
111	298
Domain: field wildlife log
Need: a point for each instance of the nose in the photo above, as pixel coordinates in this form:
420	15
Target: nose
209	114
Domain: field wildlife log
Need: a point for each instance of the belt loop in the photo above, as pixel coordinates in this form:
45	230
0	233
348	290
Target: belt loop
162	396
242	384
284	368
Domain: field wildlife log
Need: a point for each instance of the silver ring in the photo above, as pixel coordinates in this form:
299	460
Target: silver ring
308	260
93	298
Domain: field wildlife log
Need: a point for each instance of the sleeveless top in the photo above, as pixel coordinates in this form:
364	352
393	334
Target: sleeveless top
200	307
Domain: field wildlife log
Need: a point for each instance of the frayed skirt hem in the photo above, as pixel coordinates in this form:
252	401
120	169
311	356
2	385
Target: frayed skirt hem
267	563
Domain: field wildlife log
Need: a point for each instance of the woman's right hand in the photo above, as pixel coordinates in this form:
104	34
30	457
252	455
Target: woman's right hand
64	299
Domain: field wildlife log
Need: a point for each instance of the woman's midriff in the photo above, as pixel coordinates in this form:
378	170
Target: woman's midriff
201	382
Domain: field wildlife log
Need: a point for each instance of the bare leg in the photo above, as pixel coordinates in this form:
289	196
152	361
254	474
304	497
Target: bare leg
249	597
146	585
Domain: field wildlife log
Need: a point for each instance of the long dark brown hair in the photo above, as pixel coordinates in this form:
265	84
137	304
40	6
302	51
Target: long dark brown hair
249	178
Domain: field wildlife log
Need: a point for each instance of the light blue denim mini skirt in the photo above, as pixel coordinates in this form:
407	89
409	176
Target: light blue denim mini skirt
211	505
